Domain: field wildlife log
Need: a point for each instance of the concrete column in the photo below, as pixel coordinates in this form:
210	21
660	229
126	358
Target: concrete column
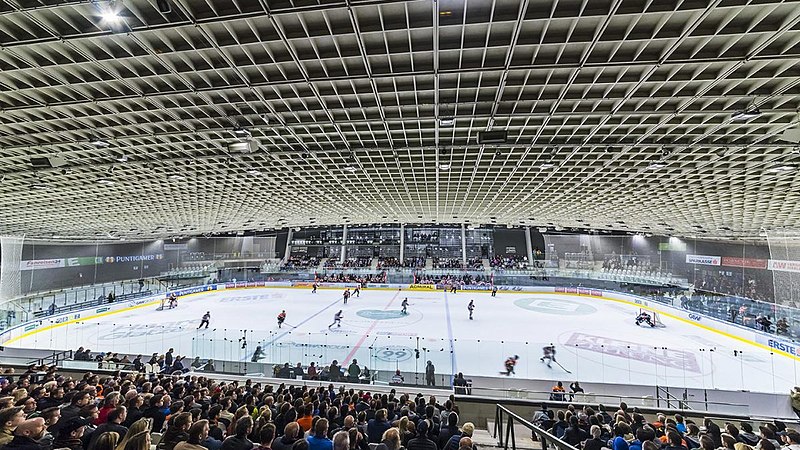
464	244
344	243
288	246
402	242
529	246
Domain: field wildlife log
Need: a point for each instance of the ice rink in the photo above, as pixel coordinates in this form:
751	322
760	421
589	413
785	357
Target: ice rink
597	339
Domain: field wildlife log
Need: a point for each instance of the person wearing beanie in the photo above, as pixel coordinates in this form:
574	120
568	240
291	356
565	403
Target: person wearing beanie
422	442
746	434
449	430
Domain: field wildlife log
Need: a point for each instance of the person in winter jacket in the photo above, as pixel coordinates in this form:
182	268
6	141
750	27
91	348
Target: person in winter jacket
377	426
177	432
449	430
290	433
320	441
466	431
595	443
27	435
198	433
746	434
239	441
574	435
422	442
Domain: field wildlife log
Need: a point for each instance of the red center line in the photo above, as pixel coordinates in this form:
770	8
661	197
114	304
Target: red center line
369	330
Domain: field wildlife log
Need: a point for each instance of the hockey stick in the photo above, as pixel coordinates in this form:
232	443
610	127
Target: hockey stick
562	367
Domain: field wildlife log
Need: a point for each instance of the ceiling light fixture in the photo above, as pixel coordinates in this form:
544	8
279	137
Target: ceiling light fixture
106	181
110	13
99	143
547	165
241	132
782	168
254	172
747	114
444	166
176	177
446	122
656	166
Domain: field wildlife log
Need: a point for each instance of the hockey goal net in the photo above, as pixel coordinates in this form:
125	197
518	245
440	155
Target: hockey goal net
654	316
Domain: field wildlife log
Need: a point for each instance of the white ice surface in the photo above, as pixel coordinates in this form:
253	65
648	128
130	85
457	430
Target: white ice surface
597	340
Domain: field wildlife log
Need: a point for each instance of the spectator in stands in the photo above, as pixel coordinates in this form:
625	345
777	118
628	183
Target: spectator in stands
177	432
239	441
574	435
377	426
422	441
155	411
70	432
390	440
621	429
319	440
341	440
105	441
712	429
746	434
115	418
448	431
466	431
79	400
198	433
10	419
594	443
290	433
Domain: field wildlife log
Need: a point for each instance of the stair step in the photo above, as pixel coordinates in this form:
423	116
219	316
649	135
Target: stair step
522	436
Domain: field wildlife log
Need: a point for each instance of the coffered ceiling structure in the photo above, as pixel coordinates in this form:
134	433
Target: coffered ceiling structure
224	115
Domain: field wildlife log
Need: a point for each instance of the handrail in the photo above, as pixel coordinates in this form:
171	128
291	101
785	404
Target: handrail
682	404
591	398
53	359
501	413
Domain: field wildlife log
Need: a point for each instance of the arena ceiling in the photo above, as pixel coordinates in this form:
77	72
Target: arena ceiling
620	114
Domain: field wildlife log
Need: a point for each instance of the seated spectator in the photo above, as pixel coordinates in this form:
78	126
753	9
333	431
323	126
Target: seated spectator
290	436
197	434
239	441
319	440
27	434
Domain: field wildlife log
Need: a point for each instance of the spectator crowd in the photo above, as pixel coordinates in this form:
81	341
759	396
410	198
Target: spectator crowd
44	410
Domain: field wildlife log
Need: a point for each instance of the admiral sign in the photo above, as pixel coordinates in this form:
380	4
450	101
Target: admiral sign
703	260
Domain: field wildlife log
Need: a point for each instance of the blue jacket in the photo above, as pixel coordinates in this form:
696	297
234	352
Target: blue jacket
316	443
619	443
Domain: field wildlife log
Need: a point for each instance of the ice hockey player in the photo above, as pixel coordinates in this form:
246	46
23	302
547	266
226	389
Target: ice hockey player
173	301
314	287
405	306
644	317
346	295
281	317
549	353
510	363
206	318
471	307
494	291
337	319
357	291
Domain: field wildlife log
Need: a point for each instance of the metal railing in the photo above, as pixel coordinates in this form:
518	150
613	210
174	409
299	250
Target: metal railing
54	359
663	395
504	421
591	398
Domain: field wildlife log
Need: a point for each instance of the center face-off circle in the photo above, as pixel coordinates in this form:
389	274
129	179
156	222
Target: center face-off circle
555	307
